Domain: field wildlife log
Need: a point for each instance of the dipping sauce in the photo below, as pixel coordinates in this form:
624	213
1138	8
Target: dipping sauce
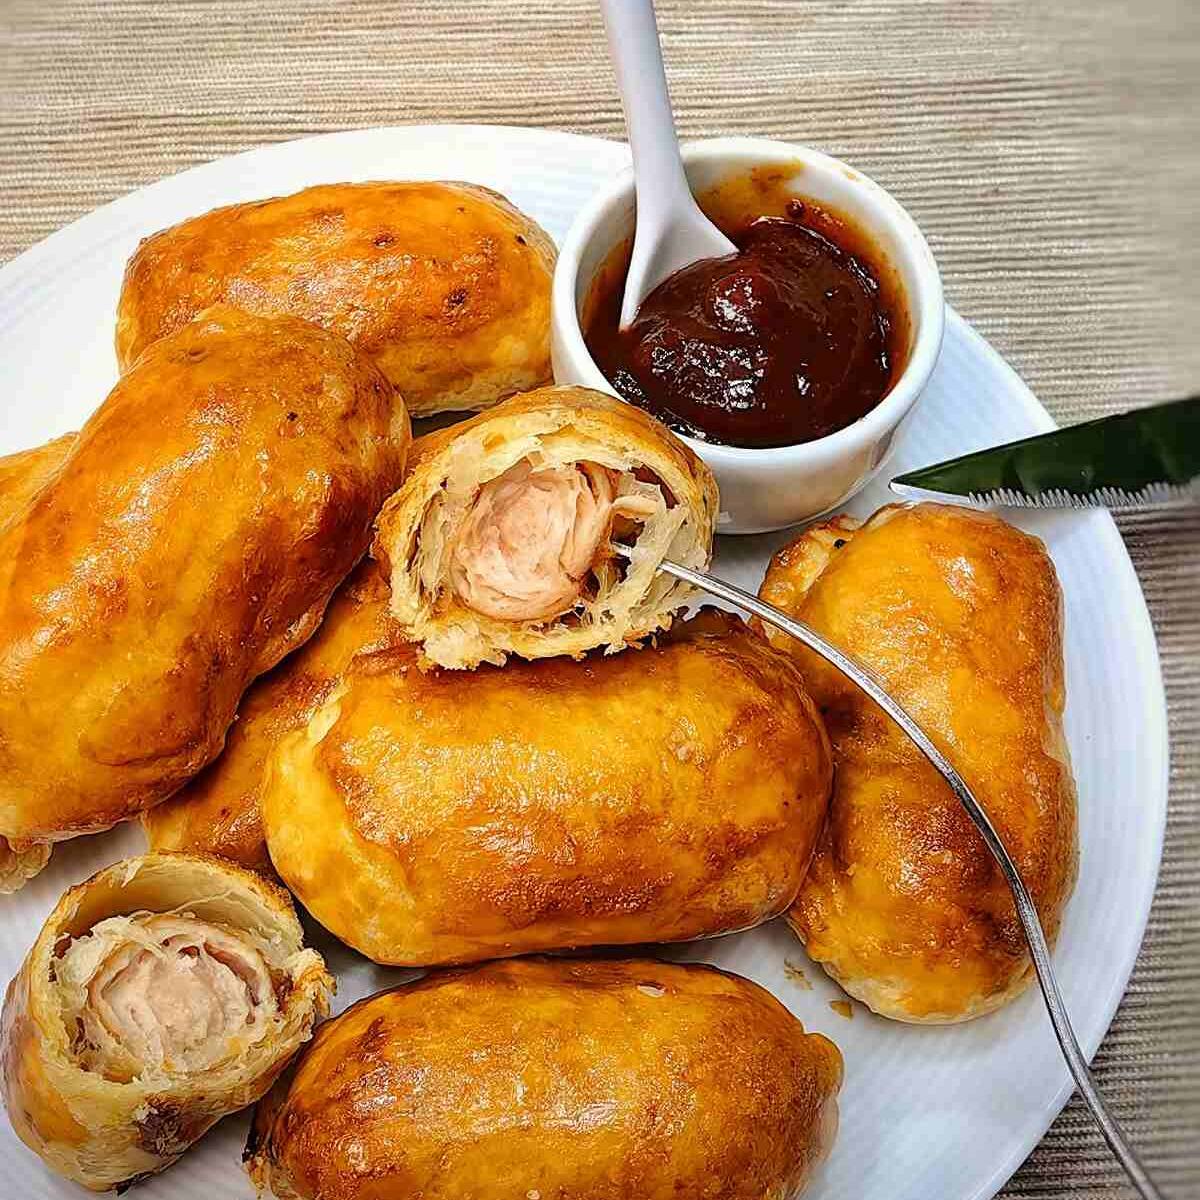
786	341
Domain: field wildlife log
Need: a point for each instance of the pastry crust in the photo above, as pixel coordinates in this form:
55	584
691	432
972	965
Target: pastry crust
219	812
659	795
190	537
22	476
82	1107
445	285
598	1080
960	616
552	429
19	863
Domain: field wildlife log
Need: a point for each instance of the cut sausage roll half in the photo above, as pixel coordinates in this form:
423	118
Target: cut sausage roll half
162	994
501	540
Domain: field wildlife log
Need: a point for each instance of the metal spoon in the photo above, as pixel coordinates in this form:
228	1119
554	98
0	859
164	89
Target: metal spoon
671	230
1038	949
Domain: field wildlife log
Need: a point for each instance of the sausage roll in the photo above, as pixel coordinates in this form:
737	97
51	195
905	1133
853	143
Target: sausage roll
445	285
162	994
659	795
960	616
219	812
22	475
597	1080
189	539
500	540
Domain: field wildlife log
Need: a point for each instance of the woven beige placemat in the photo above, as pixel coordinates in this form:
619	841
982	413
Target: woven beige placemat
1051	151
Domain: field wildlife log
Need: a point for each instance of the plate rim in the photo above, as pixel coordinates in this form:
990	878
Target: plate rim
1145	651
23	269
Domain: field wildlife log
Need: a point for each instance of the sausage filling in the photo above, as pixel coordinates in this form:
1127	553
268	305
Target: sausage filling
161	992
529	540
532	538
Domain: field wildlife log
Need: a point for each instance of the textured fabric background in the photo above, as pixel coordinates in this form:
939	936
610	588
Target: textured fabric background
1051	152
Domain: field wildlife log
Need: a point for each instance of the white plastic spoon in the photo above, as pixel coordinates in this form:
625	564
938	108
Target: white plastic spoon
671	231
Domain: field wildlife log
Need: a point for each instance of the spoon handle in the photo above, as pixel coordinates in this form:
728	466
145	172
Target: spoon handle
1038	949
642	82
671	230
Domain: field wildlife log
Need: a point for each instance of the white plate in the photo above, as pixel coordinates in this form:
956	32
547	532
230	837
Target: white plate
928	1114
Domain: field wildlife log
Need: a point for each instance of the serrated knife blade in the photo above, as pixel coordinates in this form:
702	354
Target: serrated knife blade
1146	457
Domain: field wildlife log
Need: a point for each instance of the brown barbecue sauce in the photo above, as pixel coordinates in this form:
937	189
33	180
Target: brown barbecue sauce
789	339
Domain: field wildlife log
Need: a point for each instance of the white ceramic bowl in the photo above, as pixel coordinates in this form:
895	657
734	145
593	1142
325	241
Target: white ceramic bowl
772	488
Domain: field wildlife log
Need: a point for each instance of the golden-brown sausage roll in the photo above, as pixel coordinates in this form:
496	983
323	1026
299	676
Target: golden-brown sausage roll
500	540
960	615
659	795
597	1080
445	285
190	538
162	994
219	812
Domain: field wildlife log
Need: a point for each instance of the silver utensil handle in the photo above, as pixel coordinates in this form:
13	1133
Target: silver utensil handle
1038	949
